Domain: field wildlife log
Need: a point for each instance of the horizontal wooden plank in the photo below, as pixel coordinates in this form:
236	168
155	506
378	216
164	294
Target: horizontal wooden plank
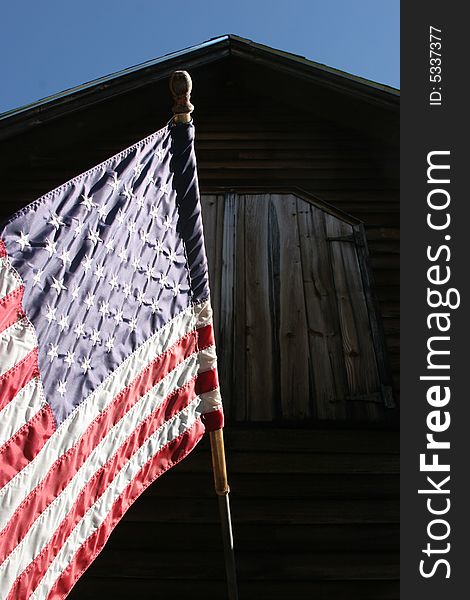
251	485
355	441
90	587
262	510
261	567
286	463
130	536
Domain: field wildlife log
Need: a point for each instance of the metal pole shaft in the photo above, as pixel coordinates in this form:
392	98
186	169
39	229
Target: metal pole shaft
222	490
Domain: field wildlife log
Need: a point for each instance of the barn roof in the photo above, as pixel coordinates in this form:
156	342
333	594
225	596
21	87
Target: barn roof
216	49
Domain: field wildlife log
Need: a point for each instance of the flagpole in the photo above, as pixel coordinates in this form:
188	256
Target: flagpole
181	86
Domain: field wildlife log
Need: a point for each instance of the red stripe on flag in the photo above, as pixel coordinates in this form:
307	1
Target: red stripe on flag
10	308
213	420
166	458
21	448
17	377
207	381
205	337
65	467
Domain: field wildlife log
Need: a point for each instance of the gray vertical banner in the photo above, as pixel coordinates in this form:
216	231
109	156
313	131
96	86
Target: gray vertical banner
435	411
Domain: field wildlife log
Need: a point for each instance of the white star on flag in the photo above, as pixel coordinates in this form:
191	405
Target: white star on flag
55	221
51	247
99	272
118	316
78	229
65	257
37	277
86	263
155	306
87	202
128	193
104	308
24	240
61	387
115	182
53	351
133	324
138	169
95	337
94	236
140	298
90	300
120	217
113	282
70	358
144	236
85	364
101	210
58	285
79	330
168	222
51	312
63	322
75	292
109	246
109	344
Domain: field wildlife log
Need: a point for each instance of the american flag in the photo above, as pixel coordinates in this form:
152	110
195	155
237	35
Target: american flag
107	359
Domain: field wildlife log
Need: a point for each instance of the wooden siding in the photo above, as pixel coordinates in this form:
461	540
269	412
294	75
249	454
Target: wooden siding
291	316
315	515
242	146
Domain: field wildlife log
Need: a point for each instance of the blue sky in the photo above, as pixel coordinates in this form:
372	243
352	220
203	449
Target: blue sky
49	45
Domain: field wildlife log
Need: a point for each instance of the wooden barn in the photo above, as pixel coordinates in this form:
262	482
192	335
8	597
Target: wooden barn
299	174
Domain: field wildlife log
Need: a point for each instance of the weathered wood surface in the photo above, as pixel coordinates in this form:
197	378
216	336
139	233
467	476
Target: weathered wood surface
239	143
300	530
290	307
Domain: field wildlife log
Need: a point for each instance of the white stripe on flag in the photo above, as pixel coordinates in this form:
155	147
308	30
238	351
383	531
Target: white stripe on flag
21	409
97	514
210	400
45	525
16	342
70	431
9	280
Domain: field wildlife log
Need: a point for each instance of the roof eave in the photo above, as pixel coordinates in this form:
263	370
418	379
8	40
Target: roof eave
90	93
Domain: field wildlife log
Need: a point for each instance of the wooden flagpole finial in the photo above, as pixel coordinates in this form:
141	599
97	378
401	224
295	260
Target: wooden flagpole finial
181	86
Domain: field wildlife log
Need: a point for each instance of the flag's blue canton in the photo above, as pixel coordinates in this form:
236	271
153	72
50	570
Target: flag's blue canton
105	265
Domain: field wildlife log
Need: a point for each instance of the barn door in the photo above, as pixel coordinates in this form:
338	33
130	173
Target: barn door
296	327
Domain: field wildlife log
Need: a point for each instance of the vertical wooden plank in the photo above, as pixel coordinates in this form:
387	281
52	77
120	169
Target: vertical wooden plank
377	329
238	392
213	215
328	384
211	205
361	366
225	341
259	370
293	338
